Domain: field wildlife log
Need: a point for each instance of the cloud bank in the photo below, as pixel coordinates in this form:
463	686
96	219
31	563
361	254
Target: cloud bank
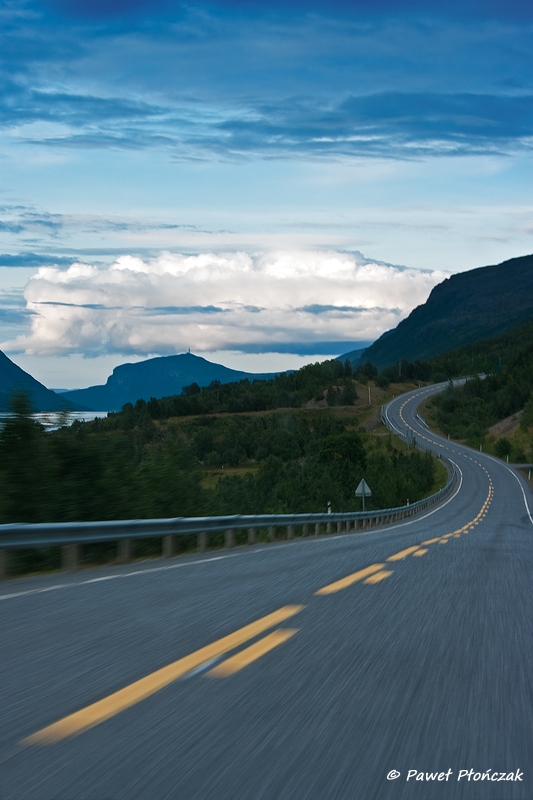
244	81
226	301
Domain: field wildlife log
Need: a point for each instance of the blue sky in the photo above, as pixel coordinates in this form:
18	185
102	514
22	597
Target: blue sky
250	180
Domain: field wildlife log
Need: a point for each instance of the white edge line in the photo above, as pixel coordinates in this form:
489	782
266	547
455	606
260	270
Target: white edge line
73	584
515	476
26	592
300	540
501	464
482	455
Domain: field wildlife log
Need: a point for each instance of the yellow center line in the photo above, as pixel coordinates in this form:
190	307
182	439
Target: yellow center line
130	695
377	577
251	653
331	588
139	690
403	553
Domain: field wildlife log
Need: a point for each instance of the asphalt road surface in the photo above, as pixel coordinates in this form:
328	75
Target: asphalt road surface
346	666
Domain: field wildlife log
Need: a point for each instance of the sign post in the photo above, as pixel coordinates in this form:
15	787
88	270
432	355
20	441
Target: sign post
363	490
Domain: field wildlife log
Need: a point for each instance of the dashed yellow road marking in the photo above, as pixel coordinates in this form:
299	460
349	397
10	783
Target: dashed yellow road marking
240	660
403	553
377	577
349	579
114	703
139	690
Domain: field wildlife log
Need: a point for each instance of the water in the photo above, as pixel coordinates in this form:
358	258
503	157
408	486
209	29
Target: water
52	420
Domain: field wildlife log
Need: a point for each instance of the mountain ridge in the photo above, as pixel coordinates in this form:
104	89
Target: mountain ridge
15	379
464	308
161	376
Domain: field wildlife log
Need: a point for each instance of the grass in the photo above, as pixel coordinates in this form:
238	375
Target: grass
212	476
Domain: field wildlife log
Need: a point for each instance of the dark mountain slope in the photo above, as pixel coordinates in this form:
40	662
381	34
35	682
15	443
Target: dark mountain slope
156	377
464	308
13	379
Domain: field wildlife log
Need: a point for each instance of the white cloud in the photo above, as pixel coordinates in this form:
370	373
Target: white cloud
212	301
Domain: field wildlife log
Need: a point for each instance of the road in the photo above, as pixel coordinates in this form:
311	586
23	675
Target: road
311	669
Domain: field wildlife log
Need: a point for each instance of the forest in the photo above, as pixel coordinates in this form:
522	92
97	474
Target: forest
283	461
506	389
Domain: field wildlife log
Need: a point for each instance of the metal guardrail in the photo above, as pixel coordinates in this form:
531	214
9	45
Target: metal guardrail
70	536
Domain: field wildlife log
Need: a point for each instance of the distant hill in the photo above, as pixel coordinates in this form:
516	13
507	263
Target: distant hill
13	378
156	377
354	356
464	308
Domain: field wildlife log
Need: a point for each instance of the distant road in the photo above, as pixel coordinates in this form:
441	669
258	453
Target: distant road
308	669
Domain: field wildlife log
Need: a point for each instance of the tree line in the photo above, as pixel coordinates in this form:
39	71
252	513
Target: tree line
291	461
468	412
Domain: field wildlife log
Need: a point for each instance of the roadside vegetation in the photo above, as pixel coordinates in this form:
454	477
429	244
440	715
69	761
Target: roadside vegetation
130	465
494	412
288	445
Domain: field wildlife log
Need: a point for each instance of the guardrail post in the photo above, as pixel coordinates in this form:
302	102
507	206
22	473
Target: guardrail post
124	551
168	546
70	555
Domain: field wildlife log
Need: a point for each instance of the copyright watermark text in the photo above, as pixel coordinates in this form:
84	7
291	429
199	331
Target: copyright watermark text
462	775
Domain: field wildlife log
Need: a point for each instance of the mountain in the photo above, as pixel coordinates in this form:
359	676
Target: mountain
13	379
464	308
156	377
353	356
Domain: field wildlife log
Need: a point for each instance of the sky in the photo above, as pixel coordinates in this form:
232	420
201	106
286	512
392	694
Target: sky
267	184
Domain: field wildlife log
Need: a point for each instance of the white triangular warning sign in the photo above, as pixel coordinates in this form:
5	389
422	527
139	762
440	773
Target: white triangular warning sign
363	490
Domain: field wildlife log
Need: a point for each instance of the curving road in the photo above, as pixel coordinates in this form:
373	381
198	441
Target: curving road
314	668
